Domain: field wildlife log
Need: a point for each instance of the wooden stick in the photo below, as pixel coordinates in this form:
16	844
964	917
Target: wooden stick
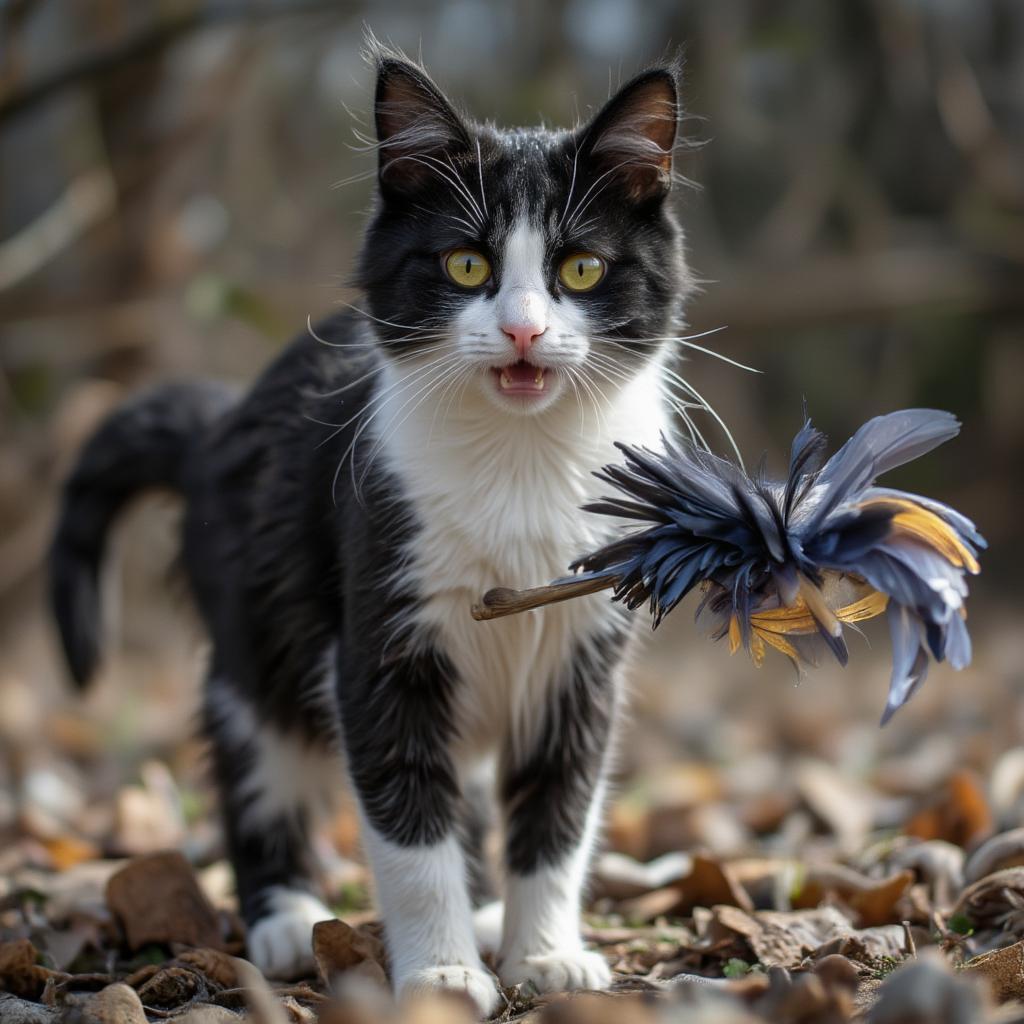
503	601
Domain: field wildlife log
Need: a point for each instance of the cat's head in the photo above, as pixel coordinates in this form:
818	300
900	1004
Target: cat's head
536	266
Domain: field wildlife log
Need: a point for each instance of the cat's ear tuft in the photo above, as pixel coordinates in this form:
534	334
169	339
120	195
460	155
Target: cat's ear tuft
416	125
632	137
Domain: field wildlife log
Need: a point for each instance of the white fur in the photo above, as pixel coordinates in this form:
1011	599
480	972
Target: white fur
496	493
423	897
281	944
541	938
288	774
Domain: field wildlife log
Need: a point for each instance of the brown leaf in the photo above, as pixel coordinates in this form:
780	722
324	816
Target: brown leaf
172	987
207	1014
709	883
67	851
338	948
1003	970
1005	850
844	806
116	1004
594	1008
156	899
217	966
877	905
263	1006
959	813
19	973
988	901
650	905
621	878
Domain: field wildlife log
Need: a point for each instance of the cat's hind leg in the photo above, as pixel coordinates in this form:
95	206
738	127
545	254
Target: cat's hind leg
272	783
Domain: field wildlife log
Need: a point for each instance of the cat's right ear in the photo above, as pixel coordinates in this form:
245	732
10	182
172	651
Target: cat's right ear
417	128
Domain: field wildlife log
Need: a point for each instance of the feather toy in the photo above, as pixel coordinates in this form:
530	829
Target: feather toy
786	564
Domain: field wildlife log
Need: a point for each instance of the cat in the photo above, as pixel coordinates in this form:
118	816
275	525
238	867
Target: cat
519	293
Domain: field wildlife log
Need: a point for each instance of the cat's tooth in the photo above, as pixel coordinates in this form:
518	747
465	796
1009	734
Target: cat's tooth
538	379
506	380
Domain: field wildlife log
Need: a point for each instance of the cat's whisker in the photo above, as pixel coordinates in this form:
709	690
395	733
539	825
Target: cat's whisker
366	416
460	192
376	319
572	186
480	171
402	358
422	395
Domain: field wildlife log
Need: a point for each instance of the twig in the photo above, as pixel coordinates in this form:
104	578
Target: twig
88	200
503	601
149	40
908	940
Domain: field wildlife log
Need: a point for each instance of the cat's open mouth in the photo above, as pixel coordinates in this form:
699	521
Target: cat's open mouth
522	378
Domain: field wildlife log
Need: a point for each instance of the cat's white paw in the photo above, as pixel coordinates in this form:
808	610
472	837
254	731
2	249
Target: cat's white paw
471	981
558	972
281	944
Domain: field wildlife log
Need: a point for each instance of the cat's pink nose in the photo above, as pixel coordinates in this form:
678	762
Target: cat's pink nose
522	336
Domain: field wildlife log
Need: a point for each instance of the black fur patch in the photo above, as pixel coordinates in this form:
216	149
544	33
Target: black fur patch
548	794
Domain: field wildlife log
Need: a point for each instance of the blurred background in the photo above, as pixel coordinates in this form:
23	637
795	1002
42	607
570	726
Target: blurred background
169	205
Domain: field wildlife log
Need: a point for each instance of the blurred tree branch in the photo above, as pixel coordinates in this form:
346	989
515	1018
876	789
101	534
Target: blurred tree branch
146	42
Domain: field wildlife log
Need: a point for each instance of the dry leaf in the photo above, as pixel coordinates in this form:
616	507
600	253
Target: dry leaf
67	851
156	899
19	973
649	906
172	987
877	905
959	813
259	997
207	1014
1005	850
844	806
708	883
216	965
989	901
115	1004
340	948
620	877
1003	970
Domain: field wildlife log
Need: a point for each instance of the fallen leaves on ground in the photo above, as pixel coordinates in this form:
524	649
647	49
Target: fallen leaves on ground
820	882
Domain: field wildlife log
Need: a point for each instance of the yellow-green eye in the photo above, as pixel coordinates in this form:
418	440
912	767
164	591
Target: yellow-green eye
467	267
581	271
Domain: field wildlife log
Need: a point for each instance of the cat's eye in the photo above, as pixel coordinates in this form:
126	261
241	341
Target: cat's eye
581	271
467	268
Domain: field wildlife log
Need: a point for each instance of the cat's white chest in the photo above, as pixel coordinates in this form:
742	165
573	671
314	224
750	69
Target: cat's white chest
497	503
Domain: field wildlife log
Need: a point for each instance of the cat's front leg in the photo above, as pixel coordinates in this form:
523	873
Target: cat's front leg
553	794
398	727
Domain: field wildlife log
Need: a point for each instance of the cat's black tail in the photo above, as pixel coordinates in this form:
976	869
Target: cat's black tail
143	444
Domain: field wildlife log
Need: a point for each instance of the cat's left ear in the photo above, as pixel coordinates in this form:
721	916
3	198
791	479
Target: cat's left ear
631	138
416	126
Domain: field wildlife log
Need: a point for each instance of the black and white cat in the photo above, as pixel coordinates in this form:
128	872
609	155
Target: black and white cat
520	289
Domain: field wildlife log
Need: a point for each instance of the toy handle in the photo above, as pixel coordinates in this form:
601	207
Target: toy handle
501	601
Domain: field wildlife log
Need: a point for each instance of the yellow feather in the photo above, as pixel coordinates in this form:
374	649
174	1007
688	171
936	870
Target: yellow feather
735	638
866	608
924	525
756	649
778	642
